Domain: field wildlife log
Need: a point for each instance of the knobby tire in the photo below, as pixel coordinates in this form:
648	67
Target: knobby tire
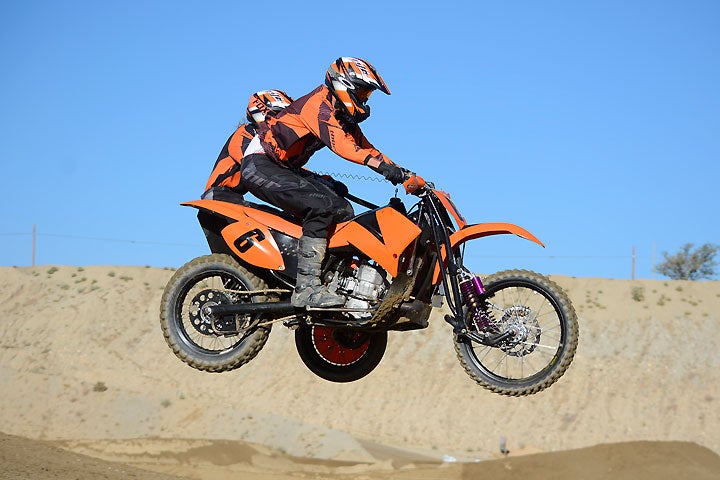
176	333
562	357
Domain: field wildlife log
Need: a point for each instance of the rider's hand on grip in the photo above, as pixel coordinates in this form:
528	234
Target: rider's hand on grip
413	183
391	172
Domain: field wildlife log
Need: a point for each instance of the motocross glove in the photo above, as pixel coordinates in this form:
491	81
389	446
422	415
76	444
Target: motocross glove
391	172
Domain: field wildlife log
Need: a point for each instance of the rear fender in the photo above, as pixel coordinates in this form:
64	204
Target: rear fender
479	230
247	238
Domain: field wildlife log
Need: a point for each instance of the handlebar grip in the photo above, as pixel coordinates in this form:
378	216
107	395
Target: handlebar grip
413	183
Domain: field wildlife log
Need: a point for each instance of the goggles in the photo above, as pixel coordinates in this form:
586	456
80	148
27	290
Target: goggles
363	93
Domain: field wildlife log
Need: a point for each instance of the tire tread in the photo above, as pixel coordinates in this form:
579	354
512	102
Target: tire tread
568	353
246	351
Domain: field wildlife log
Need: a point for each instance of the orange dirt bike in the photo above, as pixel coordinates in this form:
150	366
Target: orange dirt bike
515	332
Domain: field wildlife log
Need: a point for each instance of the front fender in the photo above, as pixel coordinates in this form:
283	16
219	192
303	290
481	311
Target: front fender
479	230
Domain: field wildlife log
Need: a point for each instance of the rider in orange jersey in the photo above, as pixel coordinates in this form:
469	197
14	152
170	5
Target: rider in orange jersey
225	177
271	169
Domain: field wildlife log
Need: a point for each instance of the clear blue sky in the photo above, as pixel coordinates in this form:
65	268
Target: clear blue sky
593	124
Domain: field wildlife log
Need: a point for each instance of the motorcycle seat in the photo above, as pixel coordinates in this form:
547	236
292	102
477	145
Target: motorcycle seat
275	211
224	194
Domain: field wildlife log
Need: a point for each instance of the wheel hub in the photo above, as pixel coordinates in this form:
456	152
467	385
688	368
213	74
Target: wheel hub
340	346
200	313
523	324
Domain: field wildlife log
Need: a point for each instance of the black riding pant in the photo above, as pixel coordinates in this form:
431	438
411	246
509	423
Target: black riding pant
295	191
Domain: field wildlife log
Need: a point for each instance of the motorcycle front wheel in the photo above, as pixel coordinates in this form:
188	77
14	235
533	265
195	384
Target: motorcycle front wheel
339	354
544	337
201	341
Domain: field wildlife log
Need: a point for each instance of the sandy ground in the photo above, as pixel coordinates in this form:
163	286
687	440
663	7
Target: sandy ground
176	459
84	369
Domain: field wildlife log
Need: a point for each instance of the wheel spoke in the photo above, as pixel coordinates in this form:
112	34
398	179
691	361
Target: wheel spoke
542	325
502	357
549	347
195	336
538	331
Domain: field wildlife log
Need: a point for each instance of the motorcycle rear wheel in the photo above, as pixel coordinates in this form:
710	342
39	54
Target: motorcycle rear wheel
210	280
542	314
339	354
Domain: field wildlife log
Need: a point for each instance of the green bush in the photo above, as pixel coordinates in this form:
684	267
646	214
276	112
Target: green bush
637	293
689	264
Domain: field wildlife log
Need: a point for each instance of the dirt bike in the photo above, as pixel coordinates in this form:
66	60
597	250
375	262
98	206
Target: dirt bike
515	332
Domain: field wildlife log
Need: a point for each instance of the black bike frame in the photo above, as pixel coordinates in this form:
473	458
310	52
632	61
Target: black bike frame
439	221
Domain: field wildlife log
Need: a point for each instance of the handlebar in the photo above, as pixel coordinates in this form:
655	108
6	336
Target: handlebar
413	184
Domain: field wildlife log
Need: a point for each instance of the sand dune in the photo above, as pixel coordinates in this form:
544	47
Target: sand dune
83	365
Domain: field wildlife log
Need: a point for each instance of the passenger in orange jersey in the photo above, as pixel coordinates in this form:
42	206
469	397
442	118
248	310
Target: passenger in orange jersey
224	181
271	169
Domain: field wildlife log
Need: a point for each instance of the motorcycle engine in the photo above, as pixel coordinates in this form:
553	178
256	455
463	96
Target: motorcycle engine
364	286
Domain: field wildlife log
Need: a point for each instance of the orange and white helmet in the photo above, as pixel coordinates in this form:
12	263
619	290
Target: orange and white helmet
352	80
266	101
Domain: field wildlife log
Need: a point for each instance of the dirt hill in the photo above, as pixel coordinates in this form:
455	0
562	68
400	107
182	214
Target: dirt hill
83	362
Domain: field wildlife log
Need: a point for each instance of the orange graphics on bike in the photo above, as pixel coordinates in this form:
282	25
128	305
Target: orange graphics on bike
382	235
248	237
450	207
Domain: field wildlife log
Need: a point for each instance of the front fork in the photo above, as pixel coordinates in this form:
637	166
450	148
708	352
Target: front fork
464	287
470	289
475	326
